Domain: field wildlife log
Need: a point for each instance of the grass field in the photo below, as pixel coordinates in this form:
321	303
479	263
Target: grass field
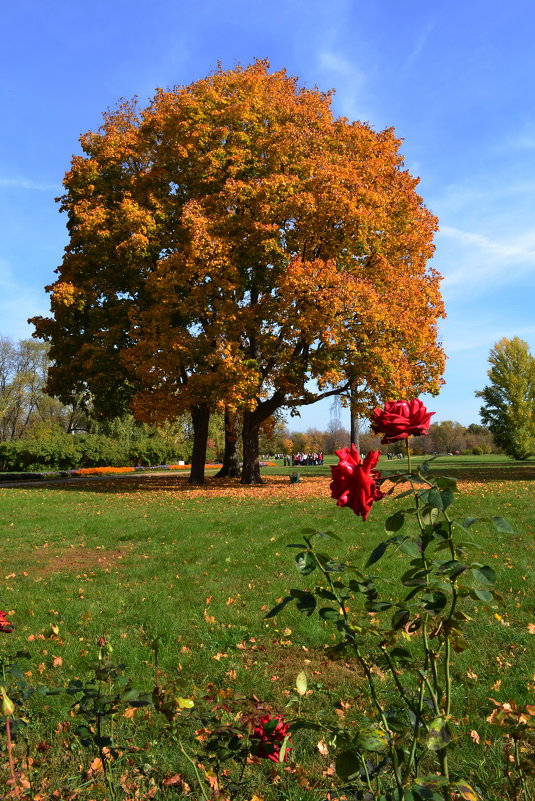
148	558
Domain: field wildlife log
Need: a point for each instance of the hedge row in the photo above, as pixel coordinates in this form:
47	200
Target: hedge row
67	451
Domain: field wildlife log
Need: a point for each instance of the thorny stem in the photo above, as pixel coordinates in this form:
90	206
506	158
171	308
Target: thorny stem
364	765
454	599
367	672
416	730
410	705
195	768
371	684
430	660
10	755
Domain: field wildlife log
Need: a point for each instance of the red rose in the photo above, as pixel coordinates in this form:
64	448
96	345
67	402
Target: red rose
270	733
399	419
355	482
5	626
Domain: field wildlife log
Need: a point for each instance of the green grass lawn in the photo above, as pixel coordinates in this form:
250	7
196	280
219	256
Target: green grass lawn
139	559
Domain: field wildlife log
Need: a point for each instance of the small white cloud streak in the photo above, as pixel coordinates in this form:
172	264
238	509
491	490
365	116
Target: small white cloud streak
24	183
419	46
474	338
349	80
482	258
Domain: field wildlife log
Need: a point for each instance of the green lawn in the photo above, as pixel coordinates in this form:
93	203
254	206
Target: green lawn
136	559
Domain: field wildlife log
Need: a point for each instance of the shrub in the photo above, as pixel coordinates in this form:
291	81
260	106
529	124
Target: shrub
68	451
60	452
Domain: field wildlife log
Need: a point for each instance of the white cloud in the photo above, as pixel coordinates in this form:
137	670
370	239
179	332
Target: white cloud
24	183
419	46
334	69
471	336
479	258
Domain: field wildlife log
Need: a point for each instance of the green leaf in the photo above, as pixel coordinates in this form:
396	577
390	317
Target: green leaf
283	748
434	602
372	738
394	522
377	553
485	575
447	498
130	695
426	787
469	521
481	595
305	562
328	613
446	482
433	498
301	683
429	515
411	548
502	525
438	735
378	606
333	566
400	619
277	608
414	577
329	535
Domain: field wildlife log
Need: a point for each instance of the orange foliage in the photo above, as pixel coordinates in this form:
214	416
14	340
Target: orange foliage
233	241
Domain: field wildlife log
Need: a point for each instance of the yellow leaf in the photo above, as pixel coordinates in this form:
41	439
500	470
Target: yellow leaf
185	703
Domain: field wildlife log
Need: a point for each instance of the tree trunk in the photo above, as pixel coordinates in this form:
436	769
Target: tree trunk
231	464
200	416
250	434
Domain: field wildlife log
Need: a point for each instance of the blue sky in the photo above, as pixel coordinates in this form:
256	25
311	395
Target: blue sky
455	79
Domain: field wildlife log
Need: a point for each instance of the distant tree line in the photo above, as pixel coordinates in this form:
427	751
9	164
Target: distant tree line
444	437
40	428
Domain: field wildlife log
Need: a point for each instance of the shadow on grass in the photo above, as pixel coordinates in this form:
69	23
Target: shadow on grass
274	478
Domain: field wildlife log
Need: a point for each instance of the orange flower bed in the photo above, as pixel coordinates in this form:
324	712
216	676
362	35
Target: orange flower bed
102	471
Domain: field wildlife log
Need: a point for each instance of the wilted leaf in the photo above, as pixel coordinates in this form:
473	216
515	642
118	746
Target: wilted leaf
301	683
438	735
372	739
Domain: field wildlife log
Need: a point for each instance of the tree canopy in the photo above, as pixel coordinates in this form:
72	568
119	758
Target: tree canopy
509	399
234	241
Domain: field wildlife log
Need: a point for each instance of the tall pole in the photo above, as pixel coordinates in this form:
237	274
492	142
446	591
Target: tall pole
353	421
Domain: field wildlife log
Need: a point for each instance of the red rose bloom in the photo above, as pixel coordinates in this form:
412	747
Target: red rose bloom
269	733
400	419
355	482
5	626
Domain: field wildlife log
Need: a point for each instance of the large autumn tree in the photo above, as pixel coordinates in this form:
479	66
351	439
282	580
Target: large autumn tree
232	243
